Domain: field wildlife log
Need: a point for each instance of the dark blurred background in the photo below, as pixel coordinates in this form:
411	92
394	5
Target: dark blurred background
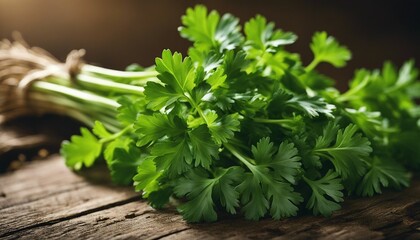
117	33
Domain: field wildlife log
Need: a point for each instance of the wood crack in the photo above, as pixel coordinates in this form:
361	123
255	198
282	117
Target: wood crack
77	215
170	233
75	187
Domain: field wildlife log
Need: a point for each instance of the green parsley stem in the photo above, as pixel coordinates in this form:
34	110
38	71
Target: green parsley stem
85	113
333	149
306	179
352	94
118	74
312	65
107	85
273	121
68	101
322	154
83	96
197	107
309	182
245	160
116	135
49	100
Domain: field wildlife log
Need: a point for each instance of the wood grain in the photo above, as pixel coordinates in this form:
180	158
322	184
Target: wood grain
46	200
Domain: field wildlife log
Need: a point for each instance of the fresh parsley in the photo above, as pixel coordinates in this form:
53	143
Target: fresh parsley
241	125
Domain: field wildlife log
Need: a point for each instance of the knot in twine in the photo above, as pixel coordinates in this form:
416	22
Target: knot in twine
74	62
70	69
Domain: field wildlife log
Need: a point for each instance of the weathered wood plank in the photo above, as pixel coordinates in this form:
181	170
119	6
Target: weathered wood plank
46	191
92	211
36	181
129	220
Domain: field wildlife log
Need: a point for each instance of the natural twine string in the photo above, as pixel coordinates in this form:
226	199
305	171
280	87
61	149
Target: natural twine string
21	66
74	63
70	69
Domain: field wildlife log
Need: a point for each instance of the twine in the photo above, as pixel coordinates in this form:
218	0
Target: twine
21	66
71	68
74	63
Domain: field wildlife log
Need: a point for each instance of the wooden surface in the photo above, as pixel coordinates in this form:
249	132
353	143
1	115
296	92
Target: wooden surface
44	199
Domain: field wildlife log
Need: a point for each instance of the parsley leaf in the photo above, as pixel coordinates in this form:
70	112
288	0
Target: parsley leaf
224	129
311	106
199	26
326	192
208	31
264	189
205	150
123	165
200	191
146	179
326	49
129	109
261	35
348	151
100	131
382	173
119	143
81	150
174	157
178	79
153	127
285	162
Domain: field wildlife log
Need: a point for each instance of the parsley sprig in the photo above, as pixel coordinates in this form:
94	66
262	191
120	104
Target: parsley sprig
241	125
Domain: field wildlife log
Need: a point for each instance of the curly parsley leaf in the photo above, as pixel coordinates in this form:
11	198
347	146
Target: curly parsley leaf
224	128
326	193
177	78
81	150
146	179
284	162
370	123
200	191
311	106
264	188
346	149
124	143
130	109
172	157
208	31
153	127
326	49
203	147
262	35
123	165
100	131
383	173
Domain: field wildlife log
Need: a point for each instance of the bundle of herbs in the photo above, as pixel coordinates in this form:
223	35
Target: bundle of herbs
240	125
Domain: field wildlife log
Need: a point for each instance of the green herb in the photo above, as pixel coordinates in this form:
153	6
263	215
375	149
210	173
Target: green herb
241	125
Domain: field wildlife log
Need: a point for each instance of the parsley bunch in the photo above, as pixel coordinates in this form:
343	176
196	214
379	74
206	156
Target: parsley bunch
241	125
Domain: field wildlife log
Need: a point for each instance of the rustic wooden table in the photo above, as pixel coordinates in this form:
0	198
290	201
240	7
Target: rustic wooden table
45	200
